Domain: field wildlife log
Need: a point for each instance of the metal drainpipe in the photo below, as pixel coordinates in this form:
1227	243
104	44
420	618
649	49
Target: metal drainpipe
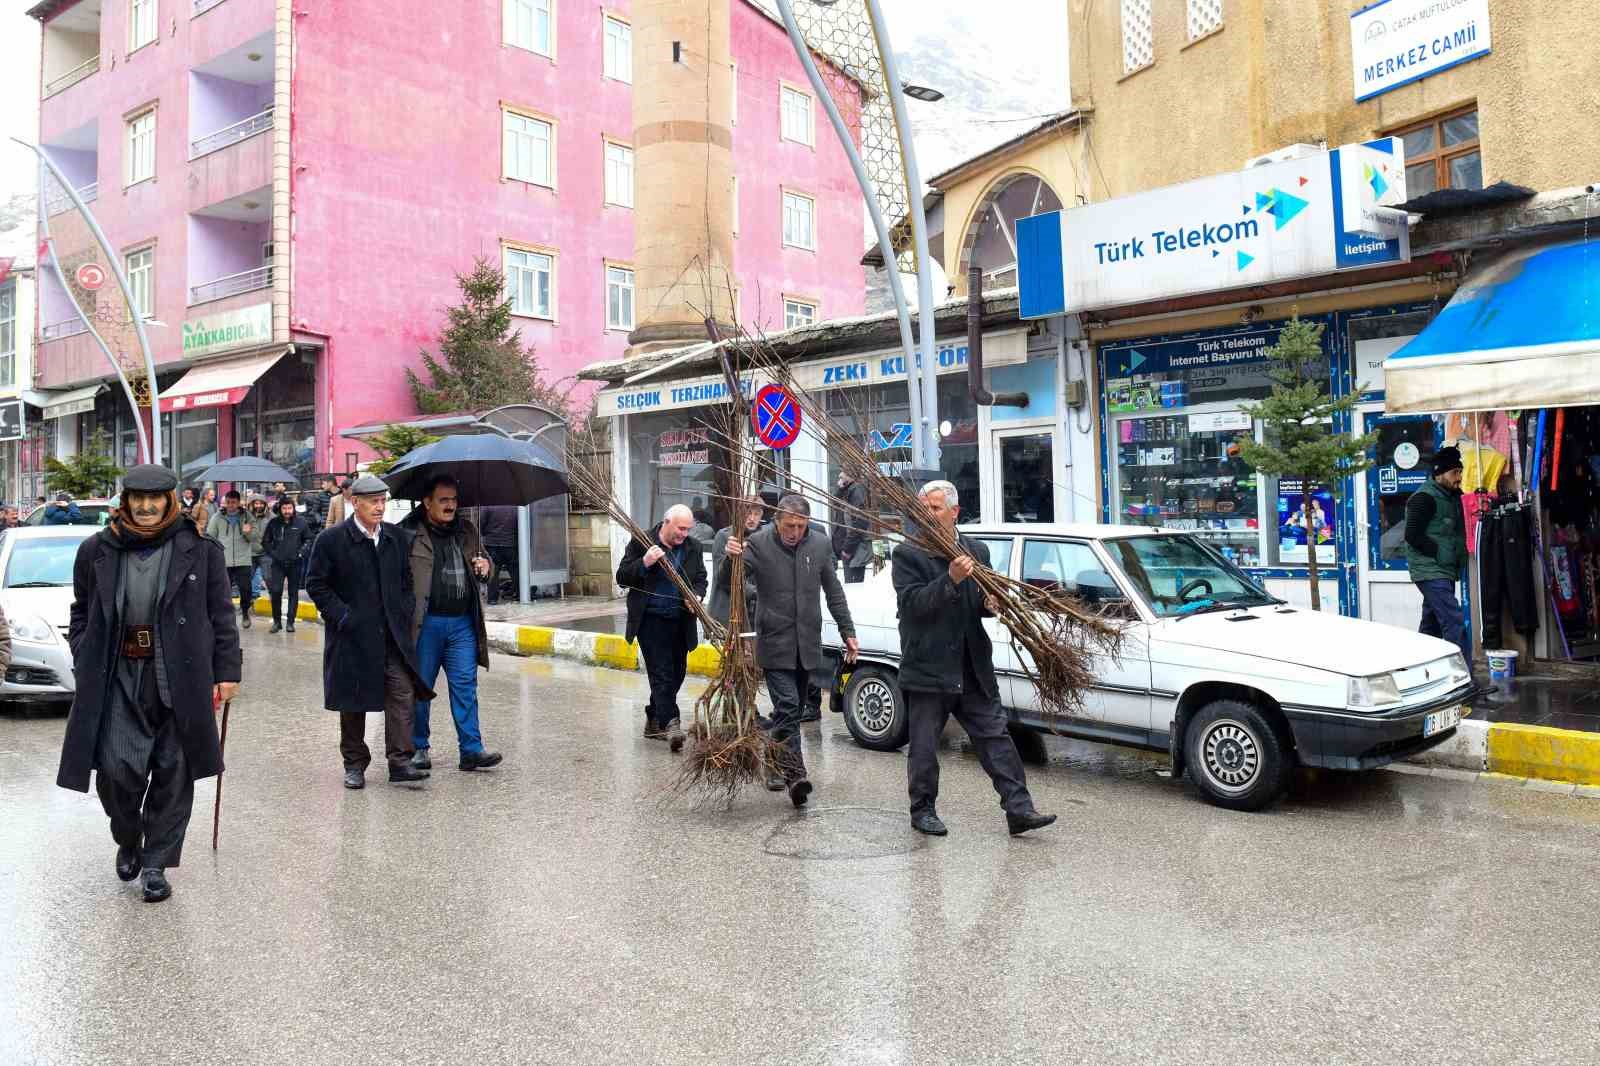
980	395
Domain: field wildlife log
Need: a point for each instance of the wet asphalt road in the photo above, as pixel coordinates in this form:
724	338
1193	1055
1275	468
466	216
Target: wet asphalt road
562	909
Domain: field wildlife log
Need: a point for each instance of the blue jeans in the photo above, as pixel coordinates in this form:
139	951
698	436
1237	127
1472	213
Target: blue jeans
450	641
258	581
1442	615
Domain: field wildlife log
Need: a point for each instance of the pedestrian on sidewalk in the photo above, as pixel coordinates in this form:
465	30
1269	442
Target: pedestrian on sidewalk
447	565
361	583
232	528
287	541
792	567
498	527
155	652
947	667
339	506
852	540
259	517
1436	550
660	620
63	512
201	512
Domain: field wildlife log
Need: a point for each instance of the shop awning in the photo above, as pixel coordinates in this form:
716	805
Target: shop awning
219	384
72	401
1523	331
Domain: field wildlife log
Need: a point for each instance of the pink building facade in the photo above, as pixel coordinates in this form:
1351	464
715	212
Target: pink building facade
293	188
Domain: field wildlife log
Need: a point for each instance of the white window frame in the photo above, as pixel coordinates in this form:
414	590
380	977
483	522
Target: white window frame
616	48
531	42
620	277
140	266
140	144
530	264
510	151
144	18
619	173
792	315
8	334
789	99
810	244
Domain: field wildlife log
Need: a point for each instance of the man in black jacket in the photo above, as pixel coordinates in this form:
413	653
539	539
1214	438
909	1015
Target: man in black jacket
852	542
660	620
947	667
498	527
286	541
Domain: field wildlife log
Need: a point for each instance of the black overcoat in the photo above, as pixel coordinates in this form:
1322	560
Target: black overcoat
940	622
199	639
355	615
639	579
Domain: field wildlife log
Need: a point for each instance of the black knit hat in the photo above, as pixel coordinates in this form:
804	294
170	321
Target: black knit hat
1446	460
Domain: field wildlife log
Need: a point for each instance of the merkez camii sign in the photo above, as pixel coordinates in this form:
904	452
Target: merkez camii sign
1395	42
239	327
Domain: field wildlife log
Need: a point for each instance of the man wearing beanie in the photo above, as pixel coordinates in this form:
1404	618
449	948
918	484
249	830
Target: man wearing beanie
155	651
1436	550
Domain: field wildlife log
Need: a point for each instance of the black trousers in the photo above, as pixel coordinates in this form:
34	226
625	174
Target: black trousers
1505	568
149	806
399	715
239	578
666	663
854	574
981	717
278	575
787	687
503	557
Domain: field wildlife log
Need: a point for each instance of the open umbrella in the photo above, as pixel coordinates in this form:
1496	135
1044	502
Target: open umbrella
248	468
490	470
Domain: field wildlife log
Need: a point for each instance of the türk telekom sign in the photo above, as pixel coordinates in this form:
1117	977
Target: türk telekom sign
1396	42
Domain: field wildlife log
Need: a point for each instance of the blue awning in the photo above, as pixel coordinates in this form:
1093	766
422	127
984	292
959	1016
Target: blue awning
1523	331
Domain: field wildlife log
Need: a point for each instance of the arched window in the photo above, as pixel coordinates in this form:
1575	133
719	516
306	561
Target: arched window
991	240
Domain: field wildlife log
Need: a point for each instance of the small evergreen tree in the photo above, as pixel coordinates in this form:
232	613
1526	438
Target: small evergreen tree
1297	443
482	361
393	442
89	473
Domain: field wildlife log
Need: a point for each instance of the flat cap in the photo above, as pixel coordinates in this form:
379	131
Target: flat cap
368	485
147	477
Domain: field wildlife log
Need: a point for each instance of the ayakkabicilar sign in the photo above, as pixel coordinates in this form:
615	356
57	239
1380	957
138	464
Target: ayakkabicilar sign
221	331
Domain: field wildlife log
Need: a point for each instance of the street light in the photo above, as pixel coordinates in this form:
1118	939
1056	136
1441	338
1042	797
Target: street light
921	92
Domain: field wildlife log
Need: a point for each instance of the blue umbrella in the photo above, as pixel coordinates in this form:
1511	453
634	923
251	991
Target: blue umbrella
490	469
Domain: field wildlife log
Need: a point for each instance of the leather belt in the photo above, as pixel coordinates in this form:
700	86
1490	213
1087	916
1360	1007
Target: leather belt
138	642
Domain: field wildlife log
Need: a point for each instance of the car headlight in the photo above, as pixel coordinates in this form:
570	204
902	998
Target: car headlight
33	629
1379	690
1458	669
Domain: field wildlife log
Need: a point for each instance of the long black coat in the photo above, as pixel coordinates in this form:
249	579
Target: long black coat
199	639
940	622
639	579
356	616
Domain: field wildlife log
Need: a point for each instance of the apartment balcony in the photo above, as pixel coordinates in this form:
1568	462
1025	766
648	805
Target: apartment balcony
230	248
231	285
202	6
230	119
228	136
63	82
71	47
55	331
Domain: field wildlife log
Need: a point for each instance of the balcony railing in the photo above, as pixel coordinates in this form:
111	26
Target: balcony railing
73	76
232	285
239	131
57	201
202	6
54	331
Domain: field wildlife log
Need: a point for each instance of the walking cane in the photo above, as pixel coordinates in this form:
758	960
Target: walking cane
216	810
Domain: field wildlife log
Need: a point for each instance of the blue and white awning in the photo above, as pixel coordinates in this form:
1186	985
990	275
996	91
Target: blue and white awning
1523	331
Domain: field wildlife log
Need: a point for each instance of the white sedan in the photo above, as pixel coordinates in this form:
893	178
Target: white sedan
1238	686
36	592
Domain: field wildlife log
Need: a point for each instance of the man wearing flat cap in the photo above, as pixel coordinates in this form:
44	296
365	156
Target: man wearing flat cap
360	580
155	650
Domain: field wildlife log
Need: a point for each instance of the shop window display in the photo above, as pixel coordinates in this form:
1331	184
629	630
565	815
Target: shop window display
678	457
881	415
1175	472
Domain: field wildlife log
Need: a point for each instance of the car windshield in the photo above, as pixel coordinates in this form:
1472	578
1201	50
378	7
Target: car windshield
42	562
1179	576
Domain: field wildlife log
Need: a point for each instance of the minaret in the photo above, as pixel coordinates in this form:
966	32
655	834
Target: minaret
683	162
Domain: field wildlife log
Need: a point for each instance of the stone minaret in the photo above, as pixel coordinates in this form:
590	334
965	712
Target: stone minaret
683	162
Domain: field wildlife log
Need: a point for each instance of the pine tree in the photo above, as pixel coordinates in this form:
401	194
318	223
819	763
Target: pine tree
482	361
89	473
1296	416
393	442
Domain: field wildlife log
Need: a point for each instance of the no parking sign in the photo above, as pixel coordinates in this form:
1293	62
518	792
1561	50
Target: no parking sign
775	417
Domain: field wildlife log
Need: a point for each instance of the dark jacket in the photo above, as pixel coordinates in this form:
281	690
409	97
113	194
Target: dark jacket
789	590
940	622
199	639
639	579
286	542
57	515
1436	535
357	617
498	526
421	562
720	604
316	512
852	541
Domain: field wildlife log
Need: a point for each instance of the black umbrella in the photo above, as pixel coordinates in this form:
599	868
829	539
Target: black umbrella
248	468
490	469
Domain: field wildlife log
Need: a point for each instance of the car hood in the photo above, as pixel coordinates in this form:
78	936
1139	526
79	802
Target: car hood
1320	641
54	605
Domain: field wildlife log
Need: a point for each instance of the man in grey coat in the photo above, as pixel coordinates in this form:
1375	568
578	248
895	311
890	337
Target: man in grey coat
235	529
791	566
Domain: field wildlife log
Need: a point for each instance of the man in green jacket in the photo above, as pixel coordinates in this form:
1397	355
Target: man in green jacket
233	528
1436	550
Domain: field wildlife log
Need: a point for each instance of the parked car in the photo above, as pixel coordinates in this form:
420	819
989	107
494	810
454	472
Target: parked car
36	591
94	512
1237	685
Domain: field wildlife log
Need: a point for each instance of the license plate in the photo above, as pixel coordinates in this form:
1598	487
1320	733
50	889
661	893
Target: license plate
1439	721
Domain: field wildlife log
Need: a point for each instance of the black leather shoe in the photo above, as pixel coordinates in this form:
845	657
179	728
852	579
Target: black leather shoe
480	761
420	760
674	735
799	792
156	887
929	823
653	731
405	774
811	714
127	863
244	620
775	782
289	627
1021	823
277	627
355	779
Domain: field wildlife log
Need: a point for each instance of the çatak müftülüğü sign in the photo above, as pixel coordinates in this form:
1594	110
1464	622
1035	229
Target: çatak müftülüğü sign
219	331
1396	42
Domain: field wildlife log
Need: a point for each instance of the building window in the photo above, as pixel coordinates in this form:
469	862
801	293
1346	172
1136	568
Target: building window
142	147
798	313
8	334
619	298
1205	16
1138	42
796	115
1442	153
527	149
619	49
529	25
141	268
799	221
141	23
530	281
619	174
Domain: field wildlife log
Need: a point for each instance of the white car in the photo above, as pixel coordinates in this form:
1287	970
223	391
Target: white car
36	592
1236	685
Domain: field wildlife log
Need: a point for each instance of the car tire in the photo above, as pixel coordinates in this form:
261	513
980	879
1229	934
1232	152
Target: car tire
1236	757
875	709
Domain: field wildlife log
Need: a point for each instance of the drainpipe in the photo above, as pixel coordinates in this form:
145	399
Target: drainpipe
980	395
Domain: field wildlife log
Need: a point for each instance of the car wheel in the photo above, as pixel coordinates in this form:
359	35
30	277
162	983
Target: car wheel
1236	757
874	710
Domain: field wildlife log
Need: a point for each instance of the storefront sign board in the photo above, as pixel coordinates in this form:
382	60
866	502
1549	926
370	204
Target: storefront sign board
220	331
12	423
1157	375
1396	42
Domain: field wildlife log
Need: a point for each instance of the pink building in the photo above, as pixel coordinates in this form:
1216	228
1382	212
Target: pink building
293	228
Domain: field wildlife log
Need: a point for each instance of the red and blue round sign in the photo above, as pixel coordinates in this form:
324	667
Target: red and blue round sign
775	417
